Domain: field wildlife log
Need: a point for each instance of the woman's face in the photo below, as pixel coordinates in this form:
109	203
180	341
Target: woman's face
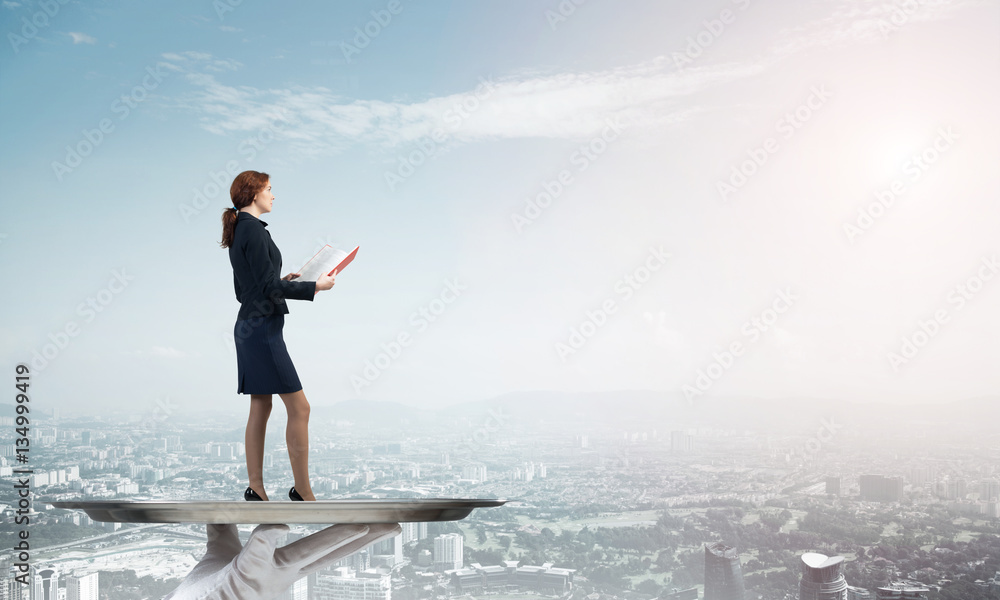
264	199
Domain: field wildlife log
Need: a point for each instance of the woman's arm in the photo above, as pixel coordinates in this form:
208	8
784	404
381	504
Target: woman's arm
256	249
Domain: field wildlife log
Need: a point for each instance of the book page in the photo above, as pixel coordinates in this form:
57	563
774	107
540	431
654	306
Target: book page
325	261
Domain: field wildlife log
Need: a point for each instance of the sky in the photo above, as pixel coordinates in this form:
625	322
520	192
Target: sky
757	198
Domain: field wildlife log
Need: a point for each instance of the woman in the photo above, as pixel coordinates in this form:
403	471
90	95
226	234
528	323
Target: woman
263	365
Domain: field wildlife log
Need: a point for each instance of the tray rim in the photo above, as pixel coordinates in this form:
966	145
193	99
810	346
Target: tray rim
358	510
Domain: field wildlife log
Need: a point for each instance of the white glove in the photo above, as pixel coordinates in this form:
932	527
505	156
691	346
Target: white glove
259	571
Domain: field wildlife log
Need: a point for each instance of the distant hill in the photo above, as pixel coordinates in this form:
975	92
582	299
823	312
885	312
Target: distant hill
640	408
630	406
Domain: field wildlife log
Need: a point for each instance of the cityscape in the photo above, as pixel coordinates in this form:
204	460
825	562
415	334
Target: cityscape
632	495
691	300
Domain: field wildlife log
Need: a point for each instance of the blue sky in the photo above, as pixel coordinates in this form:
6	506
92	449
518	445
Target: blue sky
750	141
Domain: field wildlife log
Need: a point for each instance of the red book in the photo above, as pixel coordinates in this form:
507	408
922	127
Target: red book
328	260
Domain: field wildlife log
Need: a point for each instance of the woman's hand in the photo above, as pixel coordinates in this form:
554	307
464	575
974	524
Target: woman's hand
325	282
290	276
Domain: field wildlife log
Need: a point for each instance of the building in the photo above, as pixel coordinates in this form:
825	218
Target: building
903	590
413	532
475	472
359	561
681	442
833	486
11	588
388	552
509	577
876	488
822	578
989	489
448	550
854	593
958	489
46	585
346	584
82	588
723	576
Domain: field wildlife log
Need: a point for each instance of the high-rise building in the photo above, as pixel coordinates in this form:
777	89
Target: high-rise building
413	532
11	588
723	576
833	486
822	578
388	551
921	476
903	590
448	550
681	442
876	488
476	472
957	489
46	585
82	588
989	489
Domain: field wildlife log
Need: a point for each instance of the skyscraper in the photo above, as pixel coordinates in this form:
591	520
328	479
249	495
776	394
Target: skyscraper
46	585
681	442
876	488
448	551
84	587
822	578
723	576
389	550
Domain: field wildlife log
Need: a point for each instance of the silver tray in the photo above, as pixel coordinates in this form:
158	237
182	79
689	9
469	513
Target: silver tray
388	510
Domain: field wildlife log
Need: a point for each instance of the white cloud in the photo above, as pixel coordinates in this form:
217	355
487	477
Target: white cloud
315	120
11	5
229	28
865	21
82	38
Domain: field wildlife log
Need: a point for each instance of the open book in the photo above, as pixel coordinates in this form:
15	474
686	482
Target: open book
327	260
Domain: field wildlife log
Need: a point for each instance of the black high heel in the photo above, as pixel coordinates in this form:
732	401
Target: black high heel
295	495
251	495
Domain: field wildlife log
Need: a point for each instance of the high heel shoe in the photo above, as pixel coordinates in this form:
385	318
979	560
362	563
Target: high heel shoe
295	495
251	495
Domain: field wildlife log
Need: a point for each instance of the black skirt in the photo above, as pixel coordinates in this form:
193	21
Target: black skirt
262	361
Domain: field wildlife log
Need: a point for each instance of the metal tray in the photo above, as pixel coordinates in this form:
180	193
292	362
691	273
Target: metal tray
388	510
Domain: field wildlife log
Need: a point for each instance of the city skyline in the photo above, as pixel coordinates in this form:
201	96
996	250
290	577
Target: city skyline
746	199
755	494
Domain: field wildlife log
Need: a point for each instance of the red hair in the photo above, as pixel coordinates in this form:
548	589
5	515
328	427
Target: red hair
246	185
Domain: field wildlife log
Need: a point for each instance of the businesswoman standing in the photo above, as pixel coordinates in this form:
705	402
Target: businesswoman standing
263	365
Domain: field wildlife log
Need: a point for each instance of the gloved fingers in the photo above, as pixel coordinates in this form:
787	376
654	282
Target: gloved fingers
317	545
223	541
260	547
376	533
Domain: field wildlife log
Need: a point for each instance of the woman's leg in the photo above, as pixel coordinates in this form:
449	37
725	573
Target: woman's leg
297	438
260	410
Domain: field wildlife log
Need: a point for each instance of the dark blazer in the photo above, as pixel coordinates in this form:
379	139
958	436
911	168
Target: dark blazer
257	271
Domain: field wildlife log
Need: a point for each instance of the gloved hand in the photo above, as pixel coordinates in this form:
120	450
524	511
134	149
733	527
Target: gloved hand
259	570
